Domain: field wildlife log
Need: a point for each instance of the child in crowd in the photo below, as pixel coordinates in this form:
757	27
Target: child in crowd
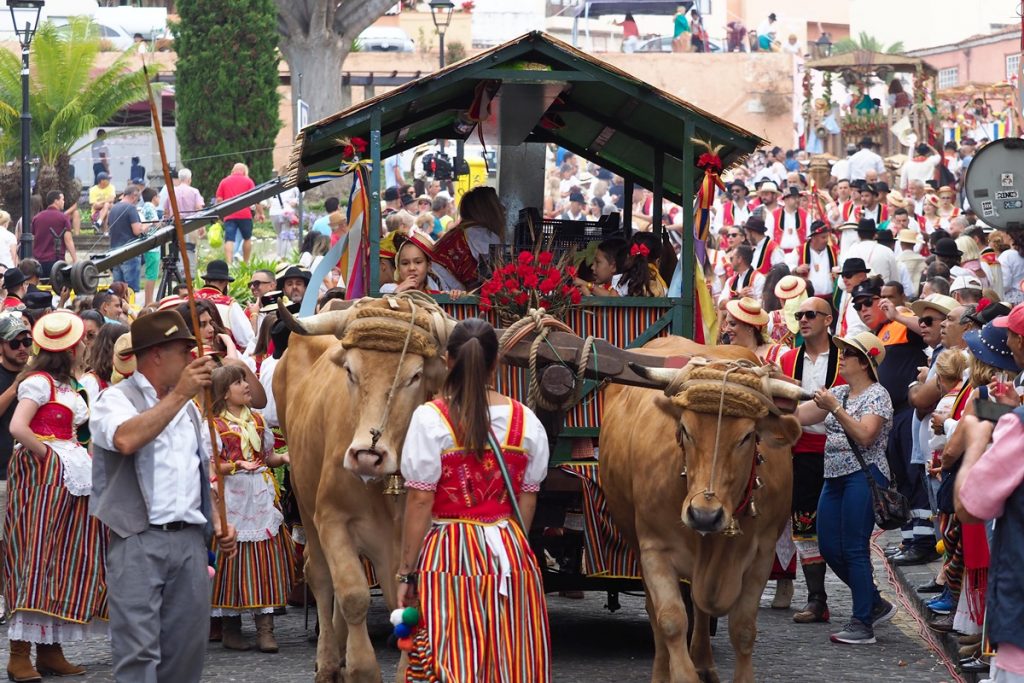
258	577
609	263
949	367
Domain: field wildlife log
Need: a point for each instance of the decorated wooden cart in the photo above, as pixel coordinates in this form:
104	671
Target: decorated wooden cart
522	96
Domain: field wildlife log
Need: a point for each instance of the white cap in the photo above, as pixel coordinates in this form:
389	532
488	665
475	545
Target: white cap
962	282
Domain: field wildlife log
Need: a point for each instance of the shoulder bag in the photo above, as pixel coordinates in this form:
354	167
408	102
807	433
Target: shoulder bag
889	505
500	457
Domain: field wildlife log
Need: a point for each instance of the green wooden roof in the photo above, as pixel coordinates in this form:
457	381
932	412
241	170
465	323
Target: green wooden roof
608	116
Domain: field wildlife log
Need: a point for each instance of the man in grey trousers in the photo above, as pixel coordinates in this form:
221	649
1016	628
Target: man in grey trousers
151	486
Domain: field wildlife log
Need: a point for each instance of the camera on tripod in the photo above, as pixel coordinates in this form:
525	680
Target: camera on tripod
439	166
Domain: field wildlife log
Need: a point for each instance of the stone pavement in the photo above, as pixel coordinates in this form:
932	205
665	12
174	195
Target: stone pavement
592	645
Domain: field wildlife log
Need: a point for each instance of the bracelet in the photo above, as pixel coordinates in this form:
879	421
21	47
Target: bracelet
835	411
234	467
409	578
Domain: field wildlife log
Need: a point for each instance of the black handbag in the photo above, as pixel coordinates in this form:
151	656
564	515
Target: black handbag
890	507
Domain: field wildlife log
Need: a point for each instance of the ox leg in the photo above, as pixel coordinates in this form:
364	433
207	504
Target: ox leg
318	577
700	647
351	603
668	616
660	668
743	615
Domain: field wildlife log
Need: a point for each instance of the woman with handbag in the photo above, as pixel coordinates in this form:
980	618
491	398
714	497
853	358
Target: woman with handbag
858	418
473	461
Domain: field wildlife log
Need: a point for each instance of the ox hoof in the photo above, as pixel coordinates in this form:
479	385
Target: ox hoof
327	676
708	676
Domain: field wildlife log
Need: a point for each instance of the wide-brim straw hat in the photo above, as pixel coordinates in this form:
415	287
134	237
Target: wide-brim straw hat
790	287
908	236
938	302
867	345
124	359
747	310
897	199
58	331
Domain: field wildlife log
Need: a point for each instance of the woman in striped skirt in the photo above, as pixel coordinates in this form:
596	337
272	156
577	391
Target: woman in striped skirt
258	577
464	557
53	561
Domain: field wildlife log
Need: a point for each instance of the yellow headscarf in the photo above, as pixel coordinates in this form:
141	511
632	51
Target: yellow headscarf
250	436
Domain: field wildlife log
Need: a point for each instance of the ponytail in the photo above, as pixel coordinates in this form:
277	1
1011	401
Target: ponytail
472	353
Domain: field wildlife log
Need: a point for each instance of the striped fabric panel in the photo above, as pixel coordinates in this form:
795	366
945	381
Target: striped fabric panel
259	575
619	326
53	559
469	631
605	551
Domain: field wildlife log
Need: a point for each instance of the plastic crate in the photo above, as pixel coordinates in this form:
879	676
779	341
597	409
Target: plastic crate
560	236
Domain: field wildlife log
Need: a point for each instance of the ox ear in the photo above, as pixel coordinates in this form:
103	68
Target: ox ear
779	431
666	405
337	355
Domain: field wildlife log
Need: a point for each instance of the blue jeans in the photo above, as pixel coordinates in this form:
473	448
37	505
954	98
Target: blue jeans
128	273
845	522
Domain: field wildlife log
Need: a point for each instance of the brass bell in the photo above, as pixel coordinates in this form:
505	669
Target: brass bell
393	485
758	483
733	529
759	458
683	473
752	509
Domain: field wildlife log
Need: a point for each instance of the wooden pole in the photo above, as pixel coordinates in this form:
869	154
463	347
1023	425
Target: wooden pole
179	233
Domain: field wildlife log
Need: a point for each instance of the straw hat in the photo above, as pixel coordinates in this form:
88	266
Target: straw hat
748	311
58	331
908	236
867	345
124	359
938	302
897	199
768	186
946	189
172	301
790	287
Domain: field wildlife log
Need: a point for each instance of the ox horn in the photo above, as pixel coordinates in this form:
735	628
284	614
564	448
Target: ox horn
780	388
328	322
661	377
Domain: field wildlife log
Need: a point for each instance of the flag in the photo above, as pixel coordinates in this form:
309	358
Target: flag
355	255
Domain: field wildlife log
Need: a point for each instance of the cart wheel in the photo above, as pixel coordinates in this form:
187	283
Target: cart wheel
58	277
84	277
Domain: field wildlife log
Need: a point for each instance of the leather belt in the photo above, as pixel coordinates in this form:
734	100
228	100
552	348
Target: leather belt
172	526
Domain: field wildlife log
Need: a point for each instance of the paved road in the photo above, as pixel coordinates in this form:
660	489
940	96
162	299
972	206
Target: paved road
594	646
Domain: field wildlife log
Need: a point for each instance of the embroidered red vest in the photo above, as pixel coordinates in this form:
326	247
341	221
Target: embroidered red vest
764	264
883	213
53	419
792	364
801	225
471	487
232	441
729	214
452	251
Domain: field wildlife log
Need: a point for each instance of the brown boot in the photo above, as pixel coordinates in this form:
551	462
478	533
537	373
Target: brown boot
19	666
265	641
783	594
816	610
50	662
231	638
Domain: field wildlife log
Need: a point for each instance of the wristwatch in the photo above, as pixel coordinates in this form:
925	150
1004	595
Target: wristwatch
409	578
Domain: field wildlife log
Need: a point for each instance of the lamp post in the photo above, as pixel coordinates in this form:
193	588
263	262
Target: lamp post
441	13
823	46
25	18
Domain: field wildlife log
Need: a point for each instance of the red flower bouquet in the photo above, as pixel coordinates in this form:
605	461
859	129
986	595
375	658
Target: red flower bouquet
532	281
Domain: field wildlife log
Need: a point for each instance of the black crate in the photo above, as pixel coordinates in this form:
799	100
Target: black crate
560	236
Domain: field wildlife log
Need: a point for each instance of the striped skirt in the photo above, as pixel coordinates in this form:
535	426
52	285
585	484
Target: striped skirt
53	556
256	579
484	615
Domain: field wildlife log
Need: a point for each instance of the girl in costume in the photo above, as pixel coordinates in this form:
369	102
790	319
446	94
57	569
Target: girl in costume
464	556
258	577
413	261
459	250
53	561
99	360
609	264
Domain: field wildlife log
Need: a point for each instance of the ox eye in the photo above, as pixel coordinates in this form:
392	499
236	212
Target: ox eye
351	375
414	379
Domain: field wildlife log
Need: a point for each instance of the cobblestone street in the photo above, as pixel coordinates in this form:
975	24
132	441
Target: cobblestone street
594	646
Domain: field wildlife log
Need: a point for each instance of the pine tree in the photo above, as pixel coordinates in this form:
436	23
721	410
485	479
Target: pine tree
226	88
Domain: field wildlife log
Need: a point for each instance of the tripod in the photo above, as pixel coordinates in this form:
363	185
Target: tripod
172	275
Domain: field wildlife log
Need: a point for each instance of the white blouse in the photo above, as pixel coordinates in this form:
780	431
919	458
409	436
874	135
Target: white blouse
37	389
429	436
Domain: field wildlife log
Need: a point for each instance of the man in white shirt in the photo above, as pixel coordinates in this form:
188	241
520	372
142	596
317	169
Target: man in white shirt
746	281
576	210
841	169
920	167
865	160
735	210
768	197
880	259
151	487
817	259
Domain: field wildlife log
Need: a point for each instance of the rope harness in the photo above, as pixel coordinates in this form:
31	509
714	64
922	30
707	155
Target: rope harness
537	320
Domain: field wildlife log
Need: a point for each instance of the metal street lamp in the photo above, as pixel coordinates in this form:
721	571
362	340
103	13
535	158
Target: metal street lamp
823	46
441	13
25	17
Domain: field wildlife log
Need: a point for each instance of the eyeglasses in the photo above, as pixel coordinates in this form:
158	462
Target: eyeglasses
258	283
927	320
810	315
734	234
864	303
16	344
850	353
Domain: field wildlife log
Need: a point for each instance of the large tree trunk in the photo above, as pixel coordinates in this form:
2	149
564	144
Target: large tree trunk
318	58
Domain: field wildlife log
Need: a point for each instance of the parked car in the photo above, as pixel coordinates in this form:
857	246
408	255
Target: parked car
664	44
118	37
385	39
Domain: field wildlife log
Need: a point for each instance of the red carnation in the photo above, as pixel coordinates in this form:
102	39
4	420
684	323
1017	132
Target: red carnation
548	285
522	271
348	151
485	303
575	296
511	284
522	298
873	351
525	258
545	258
359	144
531	279
571	271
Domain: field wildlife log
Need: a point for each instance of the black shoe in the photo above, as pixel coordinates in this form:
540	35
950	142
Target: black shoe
974	666
882	612
931	587
942	623
913	556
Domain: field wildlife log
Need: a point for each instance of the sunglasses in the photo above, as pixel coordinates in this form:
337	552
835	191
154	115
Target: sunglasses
850	353
16	344
927	320
734	234
810	315
258	283
864	303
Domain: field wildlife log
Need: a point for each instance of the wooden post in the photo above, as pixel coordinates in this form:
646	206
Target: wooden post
686	254
658	189
373	192
627	205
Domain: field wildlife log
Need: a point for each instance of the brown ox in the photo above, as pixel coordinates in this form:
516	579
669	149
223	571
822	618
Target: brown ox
331	397
675	528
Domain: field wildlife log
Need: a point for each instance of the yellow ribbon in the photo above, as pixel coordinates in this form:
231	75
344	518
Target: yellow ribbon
250	436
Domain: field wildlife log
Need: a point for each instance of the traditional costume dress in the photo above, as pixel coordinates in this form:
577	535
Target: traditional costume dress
481	592
258	578
456	255
53	561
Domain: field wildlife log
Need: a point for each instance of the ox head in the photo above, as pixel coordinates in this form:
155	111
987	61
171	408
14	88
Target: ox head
386	371
721	440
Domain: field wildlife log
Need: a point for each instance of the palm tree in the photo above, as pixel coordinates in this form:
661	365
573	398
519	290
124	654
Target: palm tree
69	95
867	43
